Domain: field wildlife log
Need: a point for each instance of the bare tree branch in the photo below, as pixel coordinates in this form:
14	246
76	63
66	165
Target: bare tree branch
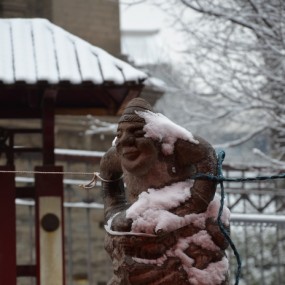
242	139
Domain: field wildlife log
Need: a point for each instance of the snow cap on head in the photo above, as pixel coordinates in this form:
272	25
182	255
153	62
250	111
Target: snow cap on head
136	104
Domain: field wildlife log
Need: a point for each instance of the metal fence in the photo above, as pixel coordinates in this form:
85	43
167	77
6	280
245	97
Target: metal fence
261	245
260	241
257	225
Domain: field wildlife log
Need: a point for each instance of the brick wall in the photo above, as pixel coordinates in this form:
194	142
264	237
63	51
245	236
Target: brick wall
96	21
16	8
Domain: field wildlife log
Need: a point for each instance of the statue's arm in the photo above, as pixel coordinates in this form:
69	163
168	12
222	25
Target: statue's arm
110	165
200	154
114	197
201	159
113	189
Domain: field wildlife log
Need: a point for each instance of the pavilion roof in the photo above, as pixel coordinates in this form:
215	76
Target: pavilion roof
35	50
37	56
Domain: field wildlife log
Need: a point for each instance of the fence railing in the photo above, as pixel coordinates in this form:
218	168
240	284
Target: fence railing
260	240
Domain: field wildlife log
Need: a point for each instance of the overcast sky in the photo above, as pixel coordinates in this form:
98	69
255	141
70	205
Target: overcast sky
141	17
147	35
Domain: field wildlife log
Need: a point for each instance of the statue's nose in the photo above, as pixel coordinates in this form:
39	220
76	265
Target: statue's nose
127	140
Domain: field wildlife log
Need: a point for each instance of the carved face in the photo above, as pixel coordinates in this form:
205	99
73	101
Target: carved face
137	152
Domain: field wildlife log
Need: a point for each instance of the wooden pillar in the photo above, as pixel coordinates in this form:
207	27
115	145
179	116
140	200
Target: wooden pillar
49	226
48	119
49	204
8	227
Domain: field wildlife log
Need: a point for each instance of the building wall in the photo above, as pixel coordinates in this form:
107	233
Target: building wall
96	21
25	8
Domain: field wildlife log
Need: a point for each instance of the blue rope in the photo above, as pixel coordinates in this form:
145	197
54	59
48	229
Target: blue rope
221	157
220	180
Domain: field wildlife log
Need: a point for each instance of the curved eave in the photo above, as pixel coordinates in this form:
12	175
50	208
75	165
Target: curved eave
23	100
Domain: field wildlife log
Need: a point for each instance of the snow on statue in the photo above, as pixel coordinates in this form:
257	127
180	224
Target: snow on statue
162	228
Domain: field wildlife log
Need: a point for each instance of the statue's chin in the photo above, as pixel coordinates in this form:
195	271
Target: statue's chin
137	166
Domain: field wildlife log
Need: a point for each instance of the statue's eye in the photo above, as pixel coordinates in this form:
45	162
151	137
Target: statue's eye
119	134
139	133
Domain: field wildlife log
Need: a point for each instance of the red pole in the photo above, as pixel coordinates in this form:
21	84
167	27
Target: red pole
49	204
48	118
49	226
8	228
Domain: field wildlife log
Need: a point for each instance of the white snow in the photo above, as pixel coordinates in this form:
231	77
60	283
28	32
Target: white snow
36	49
159	127
203	239
161	220
159	261
178	251
107	67
157	83
150	215
150	212
44	52
214	274
65	57
213	210
24	61
6	56
117	233
90	70
164	198
114	142
77	152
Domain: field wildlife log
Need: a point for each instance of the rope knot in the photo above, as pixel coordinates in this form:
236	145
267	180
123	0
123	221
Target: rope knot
95	178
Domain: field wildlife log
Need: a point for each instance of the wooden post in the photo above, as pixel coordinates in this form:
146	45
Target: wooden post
50	226
48	126
8	228
49	204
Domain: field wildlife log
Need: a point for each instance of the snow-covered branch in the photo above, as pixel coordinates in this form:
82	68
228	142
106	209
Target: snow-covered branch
268	158
97	126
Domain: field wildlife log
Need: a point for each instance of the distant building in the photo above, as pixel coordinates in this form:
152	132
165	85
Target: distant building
141	46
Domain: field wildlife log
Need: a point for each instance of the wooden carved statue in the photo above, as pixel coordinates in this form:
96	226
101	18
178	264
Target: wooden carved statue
161	226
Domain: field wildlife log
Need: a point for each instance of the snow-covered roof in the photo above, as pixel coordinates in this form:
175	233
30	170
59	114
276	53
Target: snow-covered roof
35	50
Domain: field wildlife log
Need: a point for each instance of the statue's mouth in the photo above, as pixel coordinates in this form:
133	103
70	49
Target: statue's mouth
130	153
